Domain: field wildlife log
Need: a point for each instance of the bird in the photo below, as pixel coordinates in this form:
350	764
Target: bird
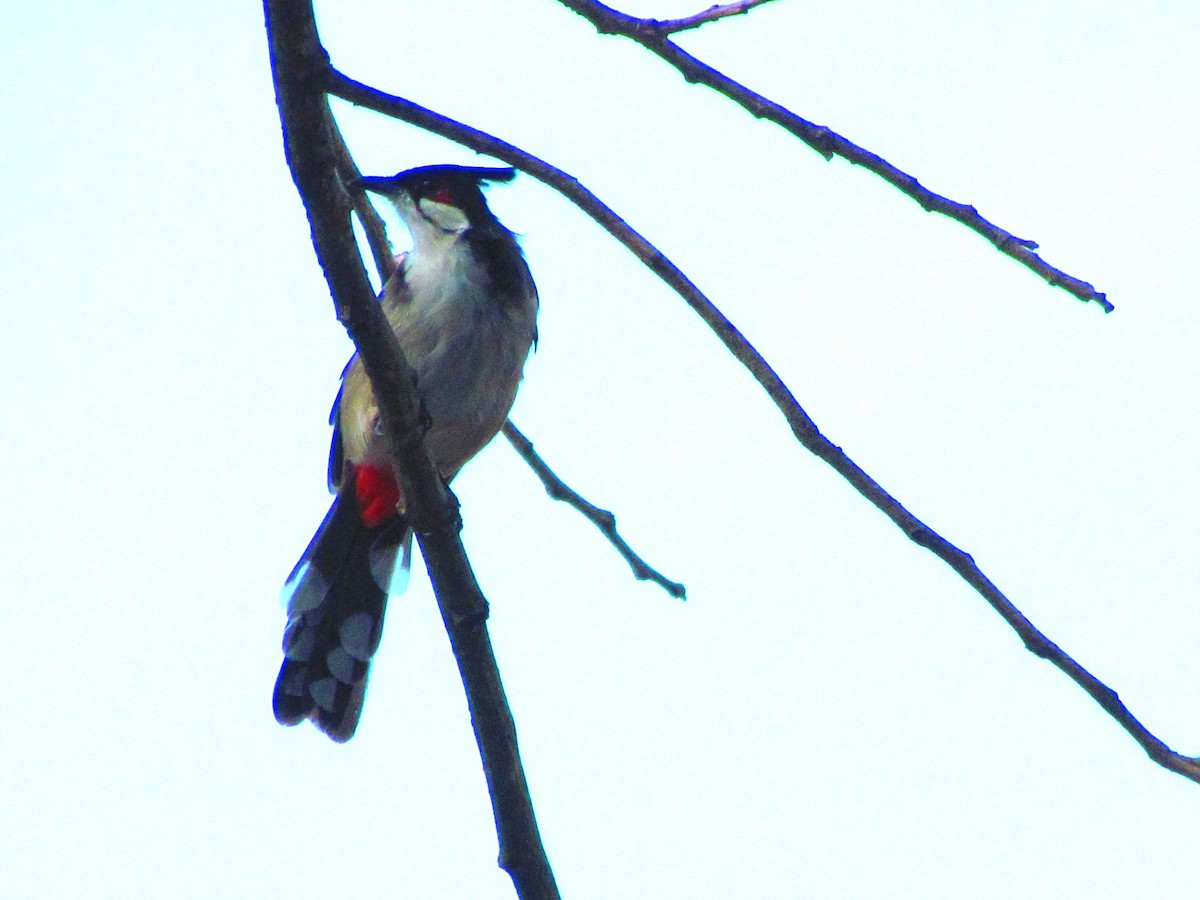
463	306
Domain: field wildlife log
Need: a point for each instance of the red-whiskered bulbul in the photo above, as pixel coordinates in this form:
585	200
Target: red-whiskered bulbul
463	306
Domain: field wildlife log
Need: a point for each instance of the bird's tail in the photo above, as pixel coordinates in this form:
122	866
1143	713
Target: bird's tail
336	597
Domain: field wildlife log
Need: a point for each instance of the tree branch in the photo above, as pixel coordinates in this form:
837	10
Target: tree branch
803	427
829	144
712	14
298	63
601	518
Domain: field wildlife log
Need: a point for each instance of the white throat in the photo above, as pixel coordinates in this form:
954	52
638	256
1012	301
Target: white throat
443	275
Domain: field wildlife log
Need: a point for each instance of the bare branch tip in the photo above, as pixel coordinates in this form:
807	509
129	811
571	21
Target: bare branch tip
643	572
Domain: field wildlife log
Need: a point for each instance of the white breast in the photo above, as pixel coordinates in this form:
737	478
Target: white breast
468	350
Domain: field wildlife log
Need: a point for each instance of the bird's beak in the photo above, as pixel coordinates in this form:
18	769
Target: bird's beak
375	184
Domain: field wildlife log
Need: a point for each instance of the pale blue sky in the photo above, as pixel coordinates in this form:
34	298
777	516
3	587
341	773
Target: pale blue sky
831	713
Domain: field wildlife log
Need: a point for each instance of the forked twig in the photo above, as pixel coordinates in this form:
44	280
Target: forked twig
826	142
712	14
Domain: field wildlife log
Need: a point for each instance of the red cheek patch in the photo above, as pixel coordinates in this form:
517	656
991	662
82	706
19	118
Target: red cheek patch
377	494
443	196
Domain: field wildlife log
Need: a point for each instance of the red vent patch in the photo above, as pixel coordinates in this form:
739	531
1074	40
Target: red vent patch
377	494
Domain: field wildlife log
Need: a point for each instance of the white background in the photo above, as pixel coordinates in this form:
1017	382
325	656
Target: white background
832	713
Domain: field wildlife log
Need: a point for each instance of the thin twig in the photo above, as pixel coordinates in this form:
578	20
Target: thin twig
712	14
372	223
601	518
298	63
802	426
828	143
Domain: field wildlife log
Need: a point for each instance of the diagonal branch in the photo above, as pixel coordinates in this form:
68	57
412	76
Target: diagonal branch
298	62
650	34
601	518
803	427
712	14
